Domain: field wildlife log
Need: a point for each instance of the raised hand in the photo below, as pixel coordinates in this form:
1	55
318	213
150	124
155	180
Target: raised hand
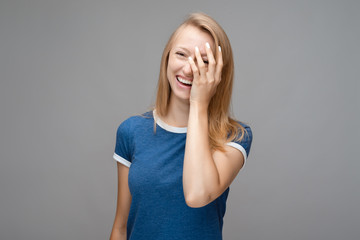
206	75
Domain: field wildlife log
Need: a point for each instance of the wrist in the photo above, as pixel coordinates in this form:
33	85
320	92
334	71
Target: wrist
199	108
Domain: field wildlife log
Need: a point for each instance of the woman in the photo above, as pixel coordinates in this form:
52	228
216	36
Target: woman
176	162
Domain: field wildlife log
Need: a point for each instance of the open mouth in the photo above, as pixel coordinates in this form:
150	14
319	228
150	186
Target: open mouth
184	81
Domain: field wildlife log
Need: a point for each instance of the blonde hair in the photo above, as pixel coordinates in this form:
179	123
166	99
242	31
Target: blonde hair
221	126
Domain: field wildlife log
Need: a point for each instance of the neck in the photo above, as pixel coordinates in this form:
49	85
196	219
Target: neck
178	112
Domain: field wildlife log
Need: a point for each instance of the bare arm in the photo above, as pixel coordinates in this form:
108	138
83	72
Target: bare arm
123	204
206	175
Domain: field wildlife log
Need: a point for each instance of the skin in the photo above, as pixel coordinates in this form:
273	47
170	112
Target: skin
123	204
206	174
179	65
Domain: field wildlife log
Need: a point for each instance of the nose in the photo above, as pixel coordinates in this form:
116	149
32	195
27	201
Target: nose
187	70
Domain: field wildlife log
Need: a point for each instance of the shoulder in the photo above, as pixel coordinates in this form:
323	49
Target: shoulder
243	139
241	130
247	130
135	121
244	136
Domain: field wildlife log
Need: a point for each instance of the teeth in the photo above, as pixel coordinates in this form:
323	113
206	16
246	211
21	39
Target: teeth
184	81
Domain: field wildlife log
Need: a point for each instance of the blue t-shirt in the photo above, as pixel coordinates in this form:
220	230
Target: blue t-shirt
158	209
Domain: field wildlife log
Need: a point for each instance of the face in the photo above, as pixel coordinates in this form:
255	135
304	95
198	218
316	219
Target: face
179	73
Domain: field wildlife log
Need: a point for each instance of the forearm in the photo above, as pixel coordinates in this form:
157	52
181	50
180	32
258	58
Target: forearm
117	234
200	174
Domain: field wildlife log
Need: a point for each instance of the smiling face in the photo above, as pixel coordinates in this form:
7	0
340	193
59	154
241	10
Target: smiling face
179	73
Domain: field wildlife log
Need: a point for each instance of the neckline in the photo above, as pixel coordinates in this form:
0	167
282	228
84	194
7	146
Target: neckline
166	126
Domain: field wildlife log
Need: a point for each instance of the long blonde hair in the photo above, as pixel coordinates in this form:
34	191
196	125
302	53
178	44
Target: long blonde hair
221	126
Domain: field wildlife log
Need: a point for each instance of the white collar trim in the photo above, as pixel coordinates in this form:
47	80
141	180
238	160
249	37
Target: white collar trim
167	127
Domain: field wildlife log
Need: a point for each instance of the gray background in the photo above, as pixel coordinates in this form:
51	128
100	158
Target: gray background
71	71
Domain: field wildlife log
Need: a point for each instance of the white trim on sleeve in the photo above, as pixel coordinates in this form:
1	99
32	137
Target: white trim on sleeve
240	148
121	160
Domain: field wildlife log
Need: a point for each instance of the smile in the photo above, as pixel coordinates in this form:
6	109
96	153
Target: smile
184	81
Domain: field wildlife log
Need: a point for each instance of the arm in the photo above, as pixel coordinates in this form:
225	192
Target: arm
123	204
206	175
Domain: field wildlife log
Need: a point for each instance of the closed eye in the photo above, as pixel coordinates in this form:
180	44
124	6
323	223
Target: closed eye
180	54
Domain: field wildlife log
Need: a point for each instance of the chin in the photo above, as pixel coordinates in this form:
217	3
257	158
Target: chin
181	97
179	94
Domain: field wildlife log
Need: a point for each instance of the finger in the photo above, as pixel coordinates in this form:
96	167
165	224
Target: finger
211	59
200	62
194	69
219	65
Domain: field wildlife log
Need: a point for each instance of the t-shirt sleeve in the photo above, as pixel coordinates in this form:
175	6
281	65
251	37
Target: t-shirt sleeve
123	146
244	144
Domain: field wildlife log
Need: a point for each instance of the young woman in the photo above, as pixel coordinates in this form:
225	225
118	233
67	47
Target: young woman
176	162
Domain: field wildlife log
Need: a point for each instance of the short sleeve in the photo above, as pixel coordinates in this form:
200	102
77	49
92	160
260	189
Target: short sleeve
244	144
123	146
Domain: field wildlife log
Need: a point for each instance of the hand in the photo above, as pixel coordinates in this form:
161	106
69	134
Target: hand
205	77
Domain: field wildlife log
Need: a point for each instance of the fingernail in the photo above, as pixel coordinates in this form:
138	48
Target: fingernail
190	58
207	45
219	49
196	49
